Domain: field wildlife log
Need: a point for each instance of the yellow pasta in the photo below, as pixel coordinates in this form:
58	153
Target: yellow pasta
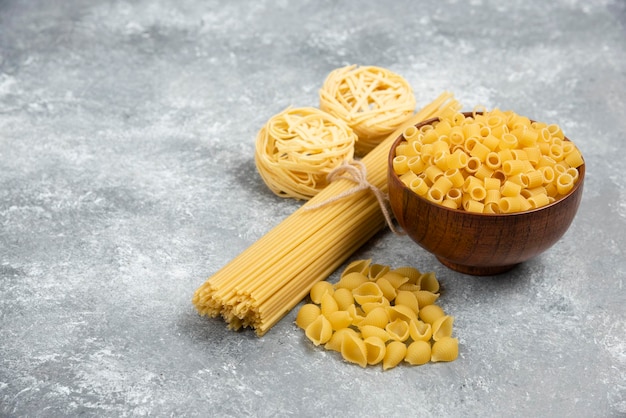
418	353
442	327
307	314
385	331
375	349
319	331
394	354
373	101
398	330
297	149
319	289
501	148
445	349
420	331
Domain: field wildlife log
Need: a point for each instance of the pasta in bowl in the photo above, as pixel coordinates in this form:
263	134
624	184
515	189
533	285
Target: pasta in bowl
484	191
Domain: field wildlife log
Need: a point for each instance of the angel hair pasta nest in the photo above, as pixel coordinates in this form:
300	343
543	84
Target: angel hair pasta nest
297	148
373	101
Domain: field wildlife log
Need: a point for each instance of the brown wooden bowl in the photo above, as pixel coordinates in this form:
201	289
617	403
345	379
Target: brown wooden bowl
475	243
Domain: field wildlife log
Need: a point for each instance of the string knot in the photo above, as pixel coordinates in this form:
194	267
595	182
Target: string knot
356	172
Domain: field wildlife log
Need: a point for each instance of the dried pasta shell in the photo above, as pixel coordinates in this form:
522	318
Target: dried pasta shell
307	314
401	312
367	292
394	354
373	331
353	349
334	343
377	317
418	353
446	349
410	287
430	313
411	272
408	299
344	298
356	313
428	281
442	327
396	279
375	349
377	271
319	331
389	291
425	297
357	266
318	290
370	306
398	330
340	319
420	331
328	304
351	281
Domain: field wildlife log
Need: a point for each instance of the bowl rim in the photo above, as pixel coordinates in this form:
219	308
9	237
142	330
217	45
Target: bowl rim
397	141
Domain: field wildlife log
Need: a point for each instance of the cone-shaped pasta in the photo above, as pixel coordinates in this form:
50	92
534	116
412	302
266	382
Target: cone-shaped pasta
431	313
401	312
339	319
446	349
353	349
375	349
351	280
407	299
367	293
377	317
357	266
418	353
428	281
377	271
328	304
396	279
373	331
424	297
395	353
389	291
318	290
407	271
319	331
334	343
420	331
398	330
370	306
344	298
442	327
357	314
307	314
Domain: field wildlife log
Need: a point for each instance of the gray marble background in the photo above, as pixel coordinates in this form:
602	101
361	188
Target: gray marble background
127	178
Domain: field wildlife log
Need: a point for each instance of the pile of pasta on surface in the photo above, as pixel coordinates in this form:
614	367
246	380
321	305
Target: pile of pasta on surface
378	315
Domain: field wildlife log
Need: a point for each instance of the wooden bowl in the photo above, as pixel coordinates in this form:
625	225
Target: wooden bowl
475	243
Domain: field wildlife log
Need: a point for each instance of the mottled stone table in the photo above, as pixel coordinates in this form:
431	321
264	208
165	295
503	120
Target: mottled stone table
127	178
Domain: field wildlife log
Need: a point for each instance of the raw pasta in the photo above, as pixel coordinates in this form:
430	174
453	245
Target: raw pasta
380	329
373	101
489	152
263	283
297	148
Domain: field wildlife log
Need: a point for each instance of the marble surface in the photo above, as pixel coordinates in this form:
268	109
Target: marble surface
127	178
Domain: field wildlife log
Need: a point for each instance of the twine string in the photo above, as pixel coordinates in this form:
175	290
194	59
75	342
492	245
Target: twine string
356	172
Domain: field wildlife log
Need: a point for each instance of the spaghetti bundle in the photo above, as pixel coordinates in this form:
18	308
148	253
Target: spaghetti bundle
297	148
259	286
373	101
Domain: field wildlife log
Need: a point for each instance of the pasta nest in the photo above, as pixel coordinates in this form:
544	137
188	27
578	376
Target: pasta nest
373	101
297	148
